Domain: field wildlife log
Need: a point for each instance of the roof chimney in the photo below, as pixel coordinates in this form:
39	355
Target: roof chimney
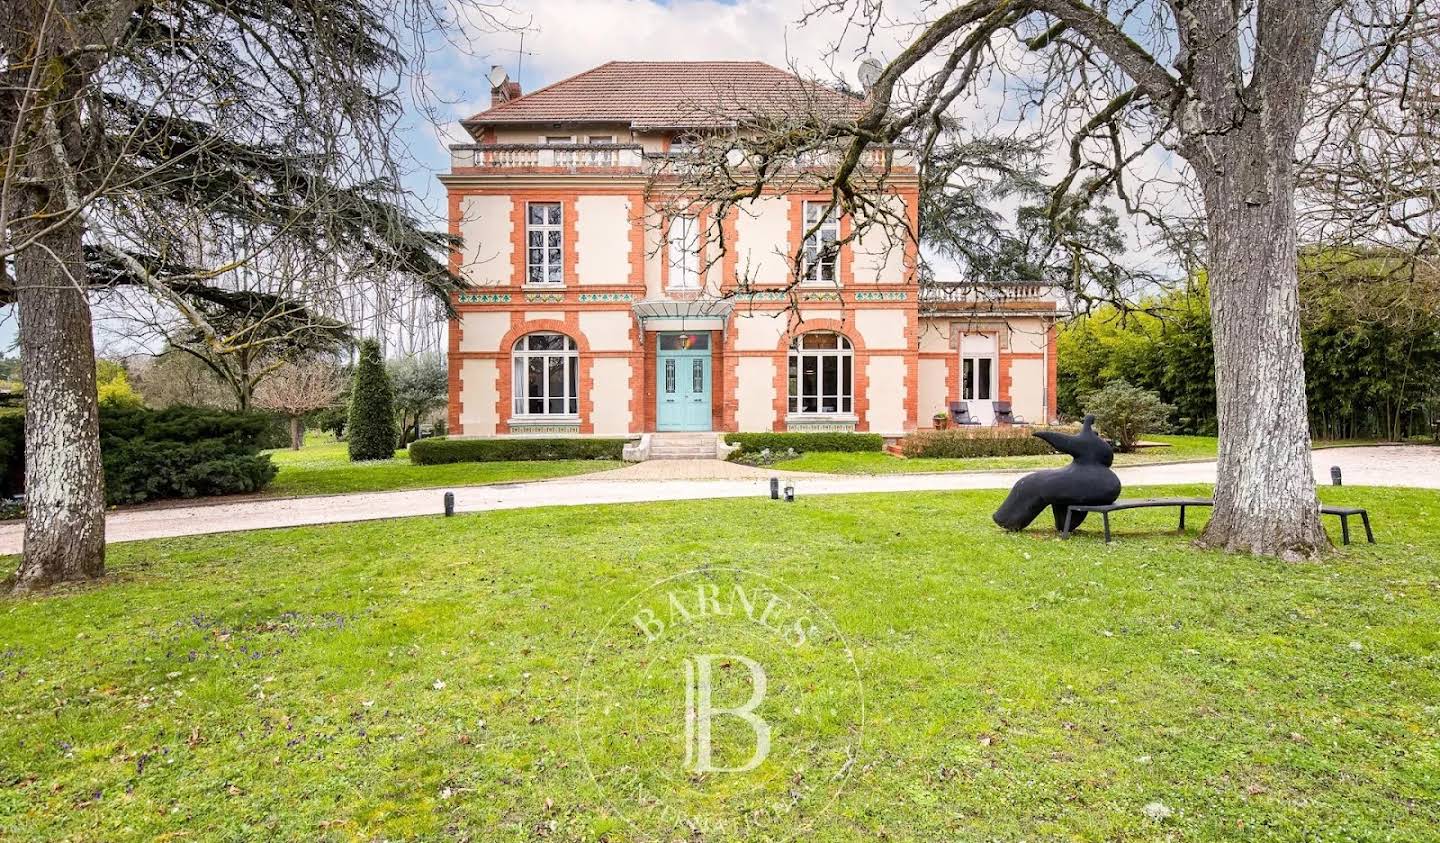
502	89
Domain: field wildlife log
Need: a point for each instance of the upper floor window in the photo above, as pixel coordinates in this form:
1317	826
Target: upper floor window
821	249
549	140
545	376
822	374
600	139
544	238
684	253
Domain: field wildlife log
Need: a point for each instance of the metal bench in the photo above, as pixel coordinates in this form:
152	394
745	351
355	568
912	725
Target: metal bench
1104	510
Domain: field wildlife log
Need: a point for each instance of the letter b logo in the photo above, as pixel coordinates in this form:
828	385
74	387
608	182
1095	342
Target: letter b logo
700	713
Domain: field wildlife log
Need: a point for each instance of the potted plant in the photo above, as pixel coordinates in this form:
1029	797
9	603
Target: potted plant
942	421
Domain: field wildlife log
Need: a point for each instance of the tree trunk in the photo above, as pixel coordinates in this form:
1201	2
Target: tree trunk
297	433
64	485
1265	491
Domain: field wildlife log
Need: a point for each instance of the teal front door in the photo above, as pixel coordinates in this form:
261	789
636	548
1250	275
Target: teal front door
682	381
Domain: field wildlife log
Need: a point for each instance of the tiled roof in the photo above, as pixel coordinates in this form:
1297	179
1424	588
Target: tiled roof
671	94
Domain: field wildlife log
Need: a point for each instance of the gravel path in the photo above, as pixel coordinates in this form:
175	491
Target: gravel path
678	480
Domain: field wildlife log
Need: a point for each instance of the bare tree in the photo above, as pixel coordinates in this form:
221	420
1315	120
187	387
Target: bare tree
134	131
1155	105
295	389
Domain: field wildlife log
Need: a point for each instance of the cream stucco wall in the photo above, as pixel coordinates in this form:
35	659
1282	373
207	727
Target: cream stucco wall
479	390
879	251
934	335
1027	389
887	394
602	225
1027	335
816	314
881	329
762	233
610	395
759	331
483	331
934	392
486	258
755	394
653	253
607	330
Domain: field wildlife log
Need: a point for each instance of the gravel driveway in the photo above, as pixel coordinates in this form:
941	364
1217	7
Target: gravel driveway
1412	466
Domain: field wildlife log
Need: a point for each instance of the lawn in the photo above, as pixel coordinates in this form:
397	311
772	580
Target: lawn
323	467
420	678
1179	448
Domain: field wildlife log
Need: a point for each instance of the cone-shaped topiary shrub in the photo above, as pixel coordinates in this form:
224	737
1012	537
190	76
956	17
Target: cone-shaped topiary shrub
372	408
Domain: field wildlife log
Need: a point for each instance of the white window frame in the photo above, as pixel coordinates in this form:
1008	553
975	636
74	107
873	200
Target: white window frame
683	252
521	393
545	229
970	382
552	140
843	397
816	259
599	138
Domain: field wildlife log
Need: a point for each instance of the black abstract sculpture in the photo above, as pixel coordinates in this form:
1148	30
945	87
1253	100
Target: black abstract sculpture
1086	480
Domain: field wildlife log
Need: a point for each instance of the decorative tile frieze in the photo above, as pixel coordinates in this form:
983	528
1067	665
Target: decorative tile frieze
796	425
484	298
544	298
607	297
561	428
819	297
886	295
762	295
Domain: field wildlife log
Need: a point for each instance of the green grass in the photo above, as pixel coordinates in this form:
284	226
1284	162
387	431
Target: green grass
1180	448
417	678
323	467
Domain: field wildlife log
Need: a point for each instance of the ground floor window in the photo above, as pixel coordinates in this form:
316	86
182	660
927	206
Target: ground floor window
822	374
545	376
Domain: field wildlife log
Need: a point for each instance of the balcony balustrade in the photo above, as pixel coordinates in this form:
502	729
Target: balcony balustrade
621	157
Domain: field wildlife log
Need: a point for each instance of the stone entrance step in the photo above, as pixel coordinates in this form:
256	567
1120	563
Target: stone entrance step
682	446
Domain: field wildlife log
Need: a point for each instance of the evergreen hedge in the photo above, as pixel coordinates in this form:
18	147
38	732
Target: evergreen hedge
436	450
177	452
751	443
980	442
371	425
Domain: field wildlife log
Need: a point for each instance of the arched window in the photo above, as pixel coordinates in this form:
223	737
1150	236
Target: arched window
546	375
822	374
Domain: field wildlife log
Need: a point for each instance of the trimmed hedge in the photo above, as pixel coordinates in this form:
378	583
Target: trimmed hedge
12	451
752	443
182	452
981	442
436	451
178	452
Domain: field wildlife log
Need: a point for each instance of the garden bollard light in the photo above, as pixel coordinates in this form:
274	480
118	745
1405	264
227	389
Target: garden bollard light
774	488
1335	475
789	494
449	504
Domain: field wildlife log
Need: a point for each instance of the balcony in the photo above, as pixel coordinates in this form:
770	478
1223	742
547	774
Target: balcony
559	156
632	158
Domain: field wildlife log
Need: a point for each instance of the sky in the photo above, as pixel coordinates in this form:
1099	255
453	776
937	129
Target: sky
564	37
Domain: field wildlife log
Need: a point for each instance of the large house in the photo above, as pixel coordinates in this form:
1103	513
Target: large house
594	310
